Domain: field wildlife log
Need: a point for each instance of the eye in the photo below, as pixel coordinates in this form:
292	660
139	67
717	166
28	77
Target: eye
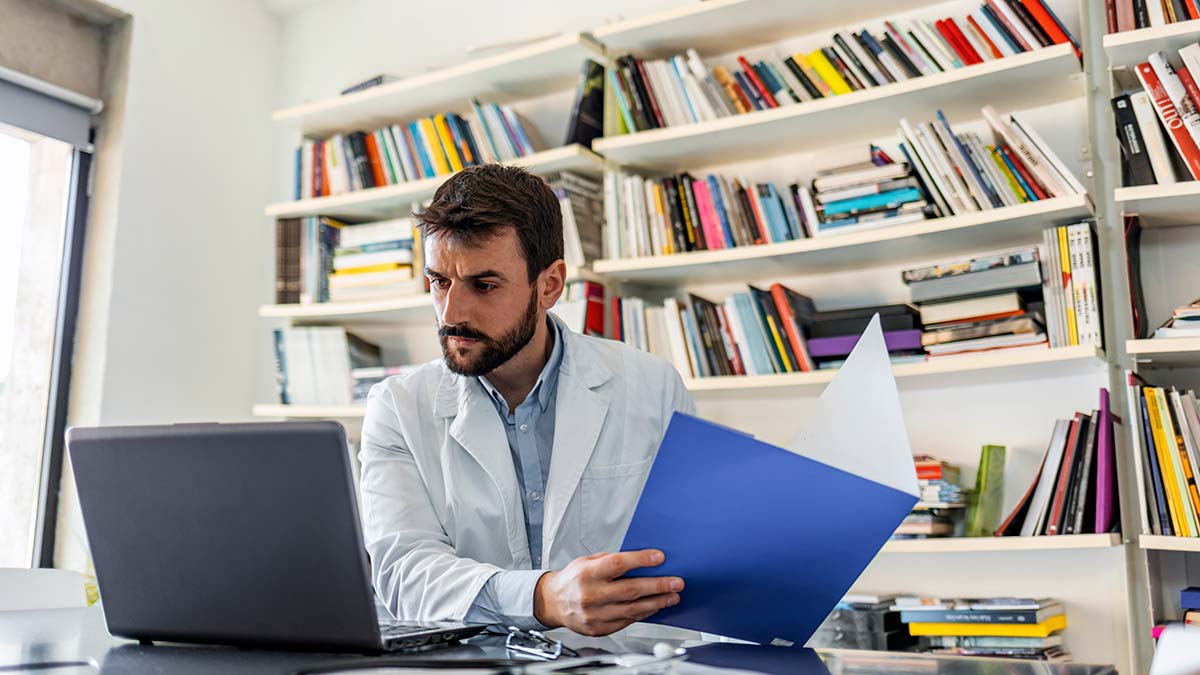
484	287
438	282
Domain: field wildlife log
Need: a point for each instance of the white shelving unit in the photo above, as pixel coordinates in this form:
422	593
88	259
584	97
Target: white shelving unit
1025	80
386	310
533	70
1168	205
392	201
1131	47
928	239
1154	542
1177	352
1002	544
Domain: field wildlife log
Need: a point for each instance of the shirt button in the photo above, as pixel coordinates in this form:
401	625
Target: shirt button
535	495
537	562
524	427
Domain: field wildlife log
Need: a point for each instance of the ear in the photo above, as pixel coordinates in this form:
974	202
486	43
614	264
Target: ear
550	284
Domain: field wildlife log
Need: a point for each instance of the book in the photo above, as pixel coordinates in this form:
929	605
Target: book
976	616
368	83
986	306
1045	628
983	514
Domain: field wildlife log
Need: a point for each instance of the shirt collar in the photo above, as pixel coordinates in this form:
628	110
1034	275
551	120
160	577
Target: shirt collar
547	381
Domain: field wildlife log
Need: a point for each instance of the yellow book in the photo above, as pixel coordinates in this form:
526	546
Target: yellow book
1064	255
382	267
433	146
447	139
661	209
811	74
1186	510
1044	629
1002	166
1174	508
828	73
787	363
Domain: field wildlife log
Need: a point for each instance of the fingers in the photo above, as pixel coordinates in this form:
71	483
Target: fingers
615	565
628	590
644	608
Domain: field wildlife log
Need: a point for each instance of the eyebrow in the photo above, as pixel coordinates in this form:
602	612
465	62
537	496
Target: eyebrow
485	274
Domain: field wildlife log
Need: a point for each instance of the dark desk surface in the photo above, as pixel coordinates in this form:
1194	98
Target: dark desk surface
73	636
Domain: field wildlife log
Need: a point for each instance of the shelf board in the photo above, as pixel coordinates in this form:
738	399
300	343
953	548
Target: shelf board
985	544
1155	542
1168	205
394	201
1131	47
923	240
1015	82
1180	351
532	70
384	310
1070	359
723	26
332	412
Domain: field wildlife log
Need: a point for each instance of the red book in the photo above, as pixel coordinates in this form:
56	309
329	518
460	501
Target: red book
616	319
731	346
948	36
758	84
987	40
1064	476
1193	8
970	56
376	164
743	97
1170	118
1110	15
1038	190
791	327
662	121
758	216
1048	24
593	321
1189	84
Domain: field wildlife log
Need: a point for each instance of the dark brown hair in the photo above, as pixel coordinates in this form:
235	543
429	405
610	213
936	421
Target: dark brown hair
477	202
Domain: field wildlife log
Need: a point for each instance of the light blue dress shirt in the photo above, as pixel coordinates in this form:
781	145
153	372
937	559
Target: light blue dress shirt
507	598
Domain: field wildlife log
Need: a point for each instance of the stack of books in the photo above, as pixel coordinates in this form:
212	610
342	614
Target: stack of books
1070	272
398	153
366	377
939	483
1184	322
1126	15
321	365
834	333
304	258
1023	628
658	93
1166	449
581	307
1189	602
964	174
867	194
1157	122
863	621
983	302
374	260
582	201
681	213
1075	488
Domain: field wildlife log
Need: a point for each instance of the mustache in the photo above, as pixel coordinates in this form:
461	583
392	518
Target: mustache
463	332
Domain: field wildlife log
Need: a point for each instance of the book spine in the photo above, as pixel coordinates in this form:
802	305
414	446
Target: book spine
1171	118
752	76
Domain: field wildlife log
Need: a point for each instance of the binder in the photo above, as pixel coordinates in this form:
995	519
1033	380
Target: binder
755	529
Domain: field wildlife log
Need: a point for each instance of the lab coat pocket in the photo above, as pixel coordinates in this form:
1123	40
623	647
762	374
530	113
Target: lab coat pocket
607	498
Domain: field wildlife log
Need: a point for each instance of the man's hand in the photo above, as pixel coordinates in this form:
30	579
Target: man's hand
589	597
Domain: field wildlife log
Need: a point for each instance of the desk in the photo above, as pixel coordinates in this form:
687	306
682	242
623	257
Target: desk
75	635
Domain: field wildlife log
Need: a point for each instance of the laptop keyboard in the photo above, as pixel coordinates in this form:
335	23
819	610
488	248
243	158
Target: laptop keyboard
389	628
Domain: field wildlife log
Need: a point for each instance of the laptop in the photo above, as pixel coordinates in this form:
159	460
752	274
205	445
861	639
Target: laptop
243	534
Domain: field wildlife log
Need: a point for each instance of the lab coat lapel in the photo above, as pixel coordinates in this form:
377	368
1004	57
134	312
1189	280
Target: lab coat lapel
580	410
477	428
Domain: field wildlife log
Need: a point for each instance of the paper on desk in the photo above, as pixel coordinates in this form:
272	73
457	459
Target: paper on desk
768	539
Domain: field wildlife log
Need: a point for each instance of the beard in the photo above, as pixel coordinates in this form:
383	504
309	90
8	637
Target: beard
496	351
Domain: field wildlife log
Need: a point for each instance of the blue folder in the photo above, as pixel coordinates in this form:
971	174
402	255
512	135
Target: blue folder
767	540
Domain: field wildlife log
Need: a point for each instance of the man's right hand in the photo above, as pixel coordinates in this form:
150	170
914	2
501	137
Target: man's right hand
589	597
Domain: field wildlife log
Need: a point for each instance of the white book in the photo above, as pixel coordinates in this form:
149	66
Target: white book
923	168
992	33
969	308
858	73
397	229
1153	138
1146	511
337	360
1078	285
696	102
872	224
917	42
369	279
939	182
808	210
340	174
1049	294
961	165
698	98
706	84
893	67
504	145
977	42
306	169
613	225
661	93
866	60
385	136
486	153
657	245
1177	93
352	260
1003	188
1068	177
913	55
407	161
646	246
656	332
1155	12
572	245
681	353
1092	295
739	336
1024	37
665	77
934	41
1035	518
1033	158
298	364
959	196
629	234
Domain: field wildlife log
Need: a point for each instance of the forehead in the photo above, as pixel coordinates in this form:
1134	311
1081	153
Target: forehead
458	256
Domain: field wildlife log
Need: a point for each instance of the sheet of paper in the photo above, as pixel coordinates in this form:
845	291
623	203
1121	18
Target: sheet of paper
857	425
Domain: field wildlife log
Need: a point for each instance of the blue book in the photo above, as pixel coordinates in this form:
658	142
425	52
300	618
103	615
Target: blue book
1189	598
768	78
879	199
751	91
773	205
693	337
462	136
872	44
622	106
714	189
1164	514
1029	192
992	197
518	130
751	326
678	70
999	26
422	156
792	214
299	171
749	525
281	378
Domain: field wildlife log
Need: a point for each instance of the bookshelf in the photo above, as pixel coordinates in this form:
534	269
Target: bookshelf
1002	544
394	201
1177	352
1130	48
1025	80
386	310
1154	542
1169	205
923	240
323	412
536	69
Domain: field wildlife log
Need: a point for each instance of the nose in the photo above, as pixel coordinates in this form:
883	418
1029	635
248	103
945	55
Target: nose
455	303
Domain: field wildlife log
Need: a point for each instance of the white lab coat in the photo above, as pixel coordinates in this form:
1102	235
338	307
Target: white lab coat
441	505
